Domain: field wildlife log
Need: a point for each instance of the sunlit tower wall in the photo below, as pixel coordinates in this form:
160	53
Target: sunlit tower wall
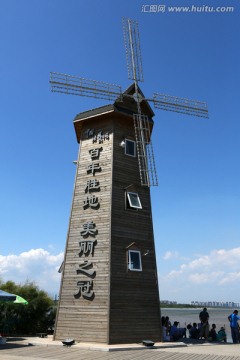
109	288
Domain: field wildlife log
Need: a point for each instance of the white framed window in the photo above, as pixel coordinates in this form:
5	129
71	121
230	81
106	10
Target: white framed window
130	147
134	260
133	200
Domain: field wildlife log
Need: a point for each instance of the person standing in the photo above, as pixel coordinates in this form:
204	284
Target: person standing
204	330
233	319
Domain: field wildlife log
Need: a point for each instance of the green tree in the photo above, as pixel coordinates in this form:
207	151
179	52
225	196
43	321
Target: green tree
29	319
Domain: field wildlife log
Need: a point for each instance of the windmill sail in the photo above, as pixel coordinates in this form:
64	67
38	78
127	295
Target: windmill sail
180	105
133	50
74	85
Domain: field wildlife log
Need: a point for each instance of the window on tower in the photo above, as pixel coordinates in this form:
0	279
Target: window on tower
134	260
133	201
130	147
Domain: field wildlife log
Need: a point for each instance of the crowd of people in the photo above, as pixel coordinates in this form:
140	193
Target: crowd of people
201	330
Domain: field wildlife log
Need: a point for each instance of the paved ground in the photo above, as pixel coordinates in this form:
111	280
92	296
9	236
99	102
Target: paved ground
19	349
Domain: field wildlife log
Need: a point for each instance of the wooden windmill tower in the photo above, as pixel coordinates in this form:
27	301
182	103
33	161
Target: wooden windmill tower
109	288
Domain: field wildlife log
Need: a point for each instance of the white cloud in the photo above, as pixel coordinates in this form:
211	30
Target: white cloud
214	273
170	255
217	258
230	278
215	266
36	265
205	277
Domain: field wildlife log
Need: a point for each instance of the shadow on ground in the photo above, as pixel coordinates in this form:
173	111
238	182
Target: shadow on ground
13	343
189	341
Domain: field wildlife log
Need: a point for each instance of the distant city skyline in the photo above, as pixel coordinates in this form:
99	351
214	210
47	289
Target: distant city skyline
228	304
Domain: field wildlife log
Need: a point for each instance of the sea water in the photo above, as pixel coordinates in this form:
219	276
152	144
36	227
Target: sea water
217	316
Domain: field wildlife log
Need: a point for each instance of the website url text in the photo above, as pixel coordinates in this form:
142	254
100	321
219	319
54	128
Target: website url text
188	9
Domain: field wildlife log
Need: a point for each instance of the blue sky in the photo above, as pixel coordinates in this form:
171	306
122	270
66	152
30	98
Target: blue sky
196	206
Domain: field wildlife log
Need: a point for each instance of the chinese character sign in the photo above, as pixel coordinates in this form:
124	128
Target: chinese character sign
88	242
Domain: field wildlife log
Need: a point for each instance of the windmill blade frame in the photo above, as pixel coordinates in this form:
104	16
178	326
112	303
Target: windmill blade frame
74	85
133	49
180	105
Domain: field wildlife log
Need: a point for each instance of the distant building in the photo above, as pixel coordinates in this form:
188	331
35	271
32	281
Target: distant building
224	304
168	302
227	304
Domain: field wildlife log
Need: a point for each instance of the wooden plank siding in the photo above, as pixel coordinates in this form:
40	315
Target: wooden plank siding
83	319
134	298
125	307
